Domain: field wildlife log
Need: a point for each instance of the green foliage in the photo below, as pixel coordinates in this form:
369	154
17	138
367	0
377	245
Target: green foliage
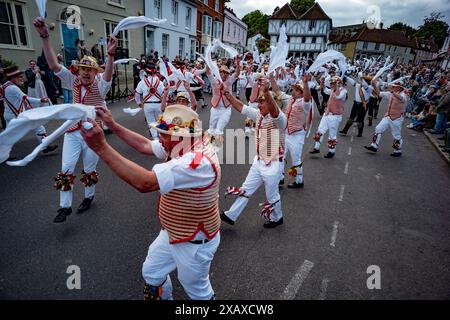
8	63
301	6
257	22
434	26
263	45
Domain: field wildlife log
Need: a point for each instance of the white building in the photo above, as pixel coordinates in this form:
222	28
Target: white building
234	31
251	42
177	36
307	33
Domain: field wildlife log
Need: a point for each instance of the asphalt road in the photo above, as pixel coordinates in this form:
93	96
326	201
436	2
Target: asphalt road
356	210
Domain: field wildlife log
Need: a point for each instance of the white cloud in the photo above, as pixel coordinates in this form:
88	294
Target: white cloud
411	12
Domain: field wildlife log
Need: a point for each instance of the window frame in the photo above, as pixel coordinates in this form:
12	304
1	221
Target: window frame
16	38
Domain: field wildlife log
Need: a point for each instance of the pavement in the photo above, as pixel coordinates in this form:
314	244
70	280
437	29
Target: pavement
438	144
358	212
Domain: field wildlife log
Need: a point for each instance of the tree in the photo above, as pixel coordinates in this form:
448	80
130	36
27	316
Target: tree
263	45
257	22
276	9
400	26
434	27
301	6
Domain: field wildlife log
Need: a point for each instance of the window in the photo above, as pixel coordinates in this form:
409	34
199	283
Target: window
207	25
365	45
234	32
218	30
157	5
239	33
188	17
165	44
205	2
314	40
303	39
377	46
122	37
181	48
312	24
174	12
216	7
119	2
229	27
13	30
193	43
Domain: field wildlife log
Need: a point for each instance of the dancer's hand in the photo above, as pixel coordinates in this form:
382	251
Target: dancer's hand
94	137
112	45
105	115
39	24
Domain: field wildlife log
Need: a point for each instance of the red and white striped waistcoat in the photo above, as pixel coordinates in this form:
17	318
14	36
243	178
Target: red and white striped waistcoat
152	89
335	106
296	116
16	110
183	213
396	108
218	96
269	139
91	98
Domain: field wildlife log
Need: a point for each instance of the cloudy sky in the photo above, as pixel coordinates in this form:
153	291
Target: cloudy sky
345	12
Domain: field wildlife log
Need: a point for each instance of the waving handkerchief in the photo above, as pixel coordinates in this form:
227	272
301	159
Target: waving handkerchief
33	118
123	61
132	111
324	58
41	4
280	52
231	51
135	23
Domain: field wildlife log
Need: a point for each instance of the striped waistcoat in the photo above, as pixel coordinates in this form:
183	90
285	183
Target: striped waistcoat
269	139
396	108
91	98
296	116
185	212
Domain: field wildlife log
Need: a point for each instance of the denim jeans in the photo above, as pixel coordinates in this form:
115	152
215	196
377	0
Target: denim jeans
441	123
67	96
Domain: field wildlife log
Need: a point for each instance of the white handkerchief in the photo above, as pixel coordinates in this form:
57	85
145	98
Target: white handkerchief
132	111
41	4
135	23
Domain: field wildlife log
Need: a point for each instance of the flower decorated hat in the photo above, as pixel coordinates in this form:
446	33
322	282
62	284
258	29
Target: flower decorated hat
178	120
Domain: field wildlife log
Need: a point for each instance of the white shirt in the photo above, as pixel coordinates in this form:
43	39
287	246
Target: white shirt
69	78
281	121
177	173
366	92
143	89
189	78
14	95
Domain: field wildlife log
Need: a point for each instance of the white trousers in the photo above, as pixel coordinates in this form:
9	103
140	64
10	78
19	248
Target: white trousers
331	124
396	131
294	147
218	120
74	146
40	131
260	173
152	111
192	262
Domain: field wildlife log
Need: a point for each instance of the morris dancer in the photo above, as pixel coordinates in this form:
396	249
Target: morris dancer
17	102
297	109
148	95
188	208
270	125
392	119
332	116
89	90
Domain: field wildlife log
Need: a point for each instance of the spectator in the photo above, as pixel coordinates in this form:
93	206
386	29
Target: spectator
49	79
443	109
95	51
36	87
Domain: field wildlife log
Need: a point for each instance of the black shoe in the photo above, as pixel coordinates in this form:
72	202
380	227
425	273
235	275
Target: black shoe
313	151
225	218
342	133
85	205
281	183
107	132
273	224
371	148
295	185
329	155
396	154
50	149
370	123
359	135
204	106
62	215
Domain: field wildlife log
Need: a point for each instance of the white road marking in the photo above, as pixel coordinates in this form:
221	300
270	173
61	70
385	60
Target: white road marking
323	289
297	280
346	168
378	176
351	139
334	234
341	195
350	151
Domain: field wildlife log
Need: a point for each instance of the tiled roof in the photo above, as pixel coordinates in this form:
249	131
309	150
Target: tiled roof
391	37
315	13
286	12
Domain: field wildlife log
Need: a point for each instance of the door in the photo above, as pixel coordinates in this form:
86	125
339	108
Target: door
69	35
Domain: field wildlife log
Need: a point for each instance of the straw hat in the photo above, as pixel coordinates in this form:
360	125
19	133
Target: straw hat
335	79
183	95
298	85
224	69
178	120
13	71
89	62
